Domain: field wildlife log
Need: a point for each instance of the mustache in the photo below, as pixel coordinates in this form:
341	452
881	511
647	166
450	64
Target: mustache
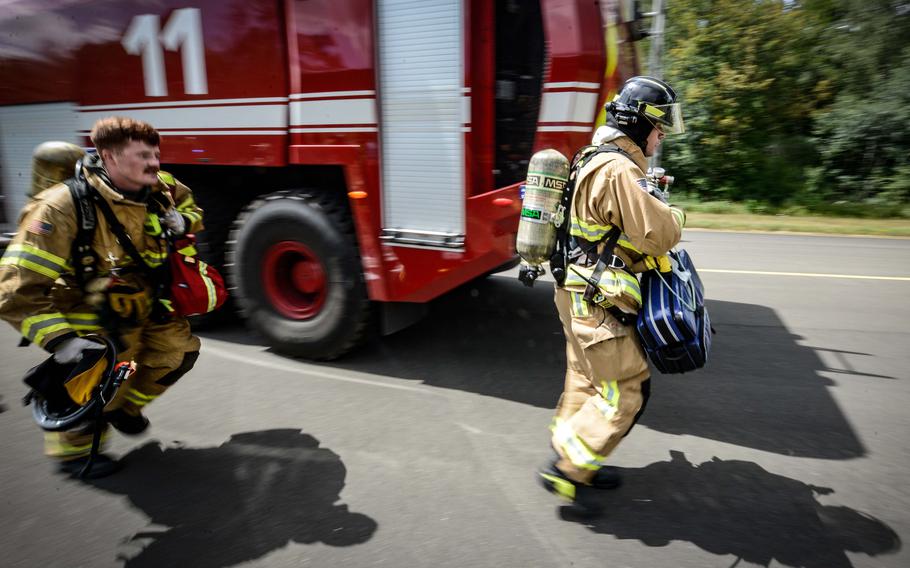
151	171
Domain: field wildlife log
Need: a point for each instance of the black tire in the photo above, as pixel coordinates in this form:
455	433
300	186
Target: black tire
263	287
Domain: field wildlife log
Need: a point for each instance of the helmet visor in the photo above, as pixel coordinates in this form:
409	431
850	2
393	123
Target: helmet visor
666	117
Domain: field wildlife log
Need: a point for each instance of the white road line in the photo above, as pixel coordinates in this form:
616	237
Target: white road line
806	274
305	369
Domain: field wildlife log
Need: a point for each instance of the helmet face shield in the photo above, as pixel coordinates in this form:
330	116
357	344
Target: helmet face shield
666	117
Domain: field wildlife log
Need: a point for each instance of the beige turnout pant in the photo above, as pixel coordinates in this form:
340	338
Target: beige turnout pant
163	353
606	367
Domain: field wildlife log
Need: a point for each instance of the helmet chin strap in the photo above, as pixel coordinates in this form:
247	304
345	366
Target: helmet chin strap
632	127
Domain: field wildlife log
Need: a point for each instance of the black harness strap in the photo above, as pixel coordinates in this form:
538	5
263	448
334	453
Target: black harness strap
84	256
606	256
159	277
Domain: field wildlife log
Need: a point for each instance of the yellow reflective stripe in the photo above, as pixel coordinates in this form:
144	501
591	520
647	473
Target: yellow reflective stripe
188	209
624	243
39	337
55	446
610	393
680	216
61	262
166	178
605	409
147	254
588	231
575	449
35	328
153	258
138	398
167	304
83	321
563	487
608	401
152	225
191	213
36	260
653	111
612	282
10	260
579	306
192	216
209	285
141	395
189	250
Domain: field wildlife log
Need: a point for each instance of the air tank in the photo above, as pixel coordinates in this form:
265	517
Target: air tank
548	174
53	162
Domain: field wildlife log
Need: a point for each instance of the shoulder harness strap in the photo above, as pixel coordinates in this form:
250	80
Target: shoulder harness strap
582	157
83	255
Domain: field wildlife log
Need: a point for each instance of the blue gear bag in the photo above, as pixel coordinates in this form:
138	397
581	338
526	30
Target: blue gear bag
673	323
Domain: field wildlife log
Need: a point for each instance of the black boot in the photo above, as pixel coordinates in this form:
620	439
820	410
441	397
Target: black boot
102	466
606	478
582	498
129	424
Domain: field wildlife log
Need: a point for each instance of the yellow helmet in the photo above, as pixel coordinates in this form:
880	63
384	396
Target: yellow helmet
64	395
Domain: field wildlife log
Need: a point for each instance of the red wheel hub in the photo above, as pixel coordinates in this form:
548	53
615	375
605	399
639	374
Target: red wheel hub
294	280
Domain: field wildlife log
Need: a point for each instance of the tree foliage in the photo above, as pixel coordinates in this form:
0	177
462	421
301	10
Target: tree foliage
791	101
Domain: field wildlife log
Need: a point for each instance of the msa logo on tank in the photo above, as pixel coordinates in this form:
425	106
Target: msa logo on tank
182	32
537	210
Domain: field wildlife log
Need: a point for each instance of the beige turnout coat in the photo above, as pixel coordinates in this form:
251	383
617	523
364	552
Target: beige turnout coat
606	365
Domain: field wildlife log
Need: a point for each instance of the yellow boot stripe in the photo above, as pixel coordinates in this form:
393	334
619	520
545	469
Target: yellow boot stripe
562	487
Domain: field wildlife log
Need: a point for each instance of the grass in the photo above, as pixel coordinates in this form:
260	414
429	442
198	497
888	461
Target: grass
798	224
723	215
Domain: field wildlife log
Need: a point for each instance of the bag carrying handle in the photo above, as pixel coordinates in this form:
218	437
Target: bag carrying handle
690	305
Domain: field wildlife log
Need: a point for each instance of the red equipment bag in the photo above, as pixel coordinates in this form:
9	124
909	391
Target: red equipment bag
196	288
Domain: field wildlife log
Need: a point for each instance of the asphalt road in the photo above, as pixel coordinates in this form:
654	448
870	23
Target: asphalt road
790	449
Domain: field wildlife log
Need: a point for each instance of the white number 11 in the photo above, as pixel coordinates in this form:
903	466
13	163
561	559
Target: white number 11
183	32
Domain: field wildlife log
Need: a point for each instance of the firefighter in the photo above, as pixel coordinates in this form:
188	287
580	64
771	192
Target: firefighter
607	379
46	294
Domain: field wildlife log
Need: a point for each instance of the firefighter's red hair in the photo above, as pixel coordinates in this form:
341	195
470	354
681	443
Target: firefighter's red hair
114	132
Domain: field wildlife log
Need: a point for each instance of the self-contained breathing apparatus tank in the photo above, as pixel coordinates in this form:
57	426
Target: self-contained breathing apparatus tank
53	162
548	174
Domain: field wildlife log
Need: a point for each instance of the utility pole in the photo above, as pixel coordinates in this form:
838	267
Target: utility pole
655	56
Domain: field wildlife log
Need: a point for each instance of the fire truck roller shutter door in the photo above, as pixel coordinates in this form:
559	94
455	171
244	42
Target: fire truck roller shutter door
295	273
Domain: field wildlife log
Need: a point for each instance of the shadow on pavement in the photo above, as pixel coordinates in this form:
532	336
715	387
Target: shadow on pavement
730	507
761	389
250	496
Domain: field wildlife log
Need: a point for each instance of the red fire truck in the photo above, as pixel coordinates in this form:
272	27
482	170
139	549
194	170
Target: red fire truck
354	158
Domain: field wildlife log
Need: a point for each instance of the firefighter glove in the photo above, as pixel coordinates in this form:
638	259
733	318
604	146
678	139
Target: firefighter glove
70	350
174	221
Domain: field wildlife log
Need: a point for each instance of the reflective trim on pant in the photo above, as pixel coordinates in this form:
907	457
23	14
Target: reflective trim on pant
575	449
70	445
138	398
606	367
160	351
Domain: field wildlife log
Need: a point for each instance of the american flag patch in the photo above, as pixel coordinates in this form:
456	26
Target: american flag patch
39	227
642	183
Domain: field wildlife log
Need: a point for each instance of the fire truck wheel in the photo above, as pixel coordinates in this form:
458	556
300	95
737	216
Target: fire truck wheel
295	274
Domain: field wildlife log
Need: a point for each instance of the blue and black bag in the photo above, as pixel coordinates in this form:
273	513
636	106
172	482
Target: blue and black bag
673	323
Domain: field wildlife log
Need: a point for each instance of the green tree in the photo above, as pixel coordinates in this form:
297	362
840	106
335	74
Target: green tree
787	99
864	134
